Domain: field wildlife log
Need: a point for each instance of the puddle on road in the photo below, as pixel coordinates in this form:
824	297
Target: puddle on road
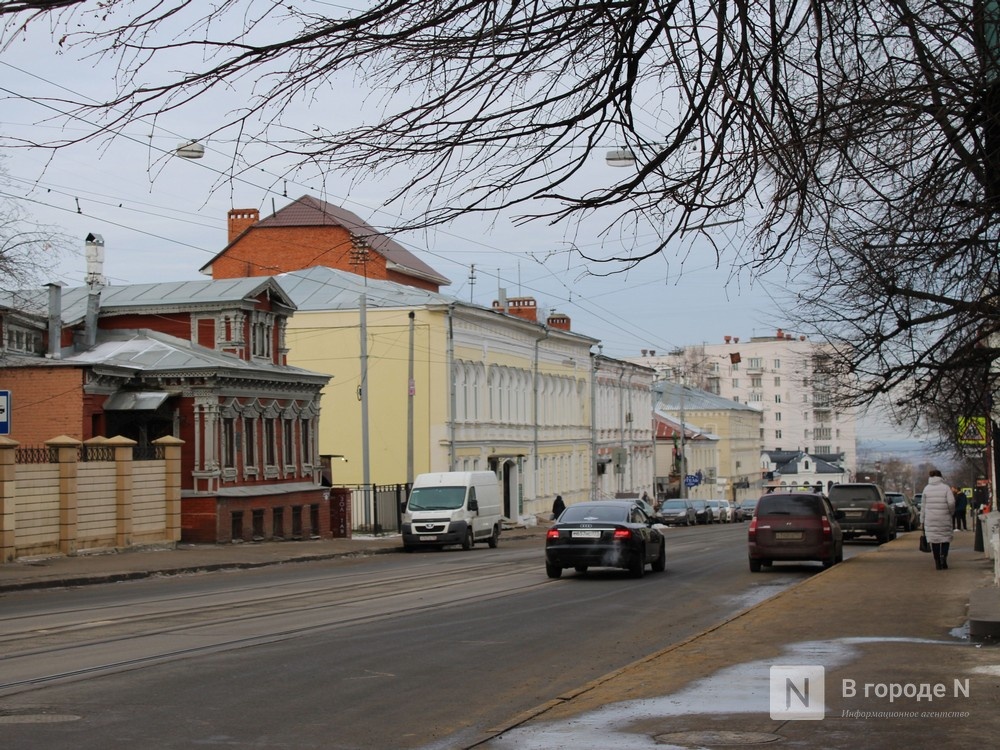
740	689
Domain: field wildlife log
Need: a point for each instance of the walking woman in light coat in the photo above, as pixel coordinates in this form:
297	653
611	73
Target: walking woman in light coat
936	512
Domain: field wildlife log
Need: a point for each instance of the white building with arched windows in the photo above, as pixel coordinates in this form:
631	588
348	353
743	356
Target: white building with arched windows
437	384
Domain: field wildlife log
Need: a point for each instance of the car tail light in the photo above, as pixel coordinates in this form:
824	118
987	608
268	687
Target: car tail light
552	534
623	534
878	507
827	531
752	531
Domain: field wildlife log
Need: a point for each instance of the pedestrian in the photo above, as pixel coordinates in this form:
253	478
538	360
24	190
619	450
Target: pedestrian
936	513
558	506
961	511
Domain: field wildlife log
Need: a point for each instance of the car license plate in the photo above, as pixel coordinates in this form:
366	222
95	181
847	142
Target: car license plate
854	513
788	535
586	534
428	538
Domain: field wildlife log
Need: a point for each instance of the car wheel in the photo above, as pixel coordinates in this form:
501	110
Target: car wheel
494	539
553	571
660	563
468	542
754	566
637	566
831	560
407	548
840	554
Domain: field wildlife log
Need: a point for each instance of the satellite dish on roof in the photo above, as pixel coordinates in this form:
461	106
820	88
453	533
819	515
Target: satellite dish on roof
190	150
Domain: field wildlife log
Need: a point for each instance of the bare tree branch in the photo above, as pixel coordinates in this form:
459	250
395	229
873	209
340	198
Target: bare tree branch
856	143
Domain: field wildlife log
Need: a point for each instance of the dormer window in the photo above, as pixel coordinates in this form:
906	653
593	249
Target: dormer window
25	340
261	334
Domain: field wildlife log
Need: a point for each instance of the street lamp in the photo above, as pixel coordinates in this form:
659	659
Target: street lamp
620	157
190	150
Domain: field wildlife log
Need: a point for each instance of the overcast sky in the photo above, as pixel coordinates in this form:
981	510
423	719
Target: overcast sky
163	217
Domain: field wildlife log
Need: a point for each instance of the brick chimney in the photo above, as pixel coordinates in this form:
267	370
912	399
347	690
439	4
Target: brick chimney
558	321
519	307
241	219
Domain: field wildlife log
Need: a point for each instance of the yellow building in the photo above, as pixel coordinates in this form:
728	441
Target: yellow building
737	449
424	382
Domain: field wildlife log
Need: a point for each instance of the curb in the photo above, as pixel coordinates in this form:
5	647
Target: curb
984	614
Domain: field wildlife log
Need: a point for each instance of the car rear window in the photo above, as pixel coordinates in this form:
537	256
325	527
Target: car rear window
580	513
848	494
790	505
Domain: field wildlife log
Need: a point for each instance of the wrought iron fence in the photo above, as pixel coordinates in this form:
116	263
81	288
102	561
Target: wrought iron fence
27	454
378	508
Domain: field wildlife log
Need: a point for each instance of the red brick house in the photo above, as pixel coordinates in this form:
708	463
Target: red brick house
203	361
309	232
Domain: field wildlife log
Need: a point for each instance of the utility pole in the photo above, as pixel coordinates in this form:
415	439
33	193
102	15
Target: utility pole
683	469
411	390
363	397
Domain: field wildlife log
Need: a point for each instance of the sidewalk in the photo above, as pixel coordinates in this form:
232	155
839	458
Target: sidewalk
886	630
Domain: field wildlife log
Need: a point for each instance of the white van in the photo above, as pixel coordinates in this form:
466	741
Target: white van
452	507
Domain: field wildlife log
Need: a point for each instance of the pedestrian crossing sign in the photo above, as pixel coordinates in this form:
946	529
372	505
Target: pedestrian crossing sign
972	430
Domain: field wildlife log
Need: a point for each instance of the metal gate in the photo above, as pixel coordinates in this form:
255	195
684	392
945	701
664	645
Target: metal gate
378	508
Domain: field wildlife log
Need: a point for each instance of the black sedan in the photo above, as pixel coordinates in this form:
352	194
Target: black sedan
604	534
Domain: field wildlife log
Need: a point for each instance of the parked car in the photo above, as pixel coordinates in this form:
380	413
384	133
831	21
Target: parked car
722	511
746	508
649	510
794	526
702	512
866	511
605	534
917	499
677	512
907	514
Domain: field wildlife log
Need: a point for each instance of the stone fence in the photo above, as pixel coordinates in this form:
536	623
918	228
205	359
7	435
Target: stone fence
73	496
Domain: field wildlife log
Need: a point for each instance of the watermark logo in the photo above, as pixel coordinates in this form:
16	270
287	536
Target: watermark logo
798	693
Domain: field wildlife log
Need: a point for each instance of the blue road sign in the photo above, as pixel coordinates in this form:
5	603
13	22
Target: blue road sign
4	412
692	480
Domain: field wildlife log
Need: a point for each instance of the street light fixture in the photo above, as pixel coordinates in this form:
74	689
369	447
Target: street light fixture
190	150
620	157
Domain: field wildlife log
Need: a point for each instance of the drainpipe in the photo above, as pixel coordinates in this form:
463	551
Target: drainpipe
535	439
593	426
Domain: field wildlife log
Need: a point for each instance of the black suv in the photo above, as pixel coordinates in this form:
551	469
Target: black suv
866	511
907	514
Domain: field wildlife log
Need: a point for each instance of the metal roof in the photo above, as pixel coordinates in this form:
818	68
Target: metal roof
177	295
696	399
153	352
323	288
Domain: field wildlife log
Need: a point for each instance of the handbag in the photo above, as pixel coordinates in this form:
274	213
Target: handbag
924	544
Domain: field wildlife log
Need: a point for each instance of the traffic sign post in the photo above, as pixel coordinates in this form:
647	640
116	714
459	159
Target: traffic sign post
4	412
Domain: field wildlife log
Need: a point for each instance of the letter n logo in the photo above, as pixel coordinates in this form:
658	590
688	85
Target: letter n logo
798	693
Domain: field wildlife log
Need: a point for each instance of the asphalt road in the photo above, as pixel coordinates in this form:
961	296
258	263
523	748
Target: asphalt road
429	649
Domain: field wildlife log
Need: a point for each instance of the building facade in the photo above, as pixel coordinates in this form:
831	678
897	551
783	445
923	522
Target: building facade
425	382
735	426
788	379
311	232
202	361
